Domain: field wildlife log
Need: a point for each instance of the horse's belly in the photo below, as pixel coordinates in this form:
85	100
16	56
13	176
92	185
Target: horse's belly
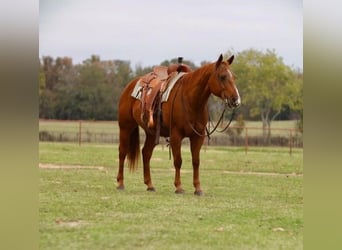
164	132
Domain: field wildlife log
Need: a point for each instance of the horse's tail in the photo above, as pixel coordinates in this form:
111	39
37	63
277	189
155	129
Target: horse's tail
133	154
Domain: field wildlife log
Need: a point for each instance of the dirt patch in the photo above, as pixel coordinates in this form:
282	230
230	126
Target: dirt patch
70	223
156	159
262	173
53	166
101	168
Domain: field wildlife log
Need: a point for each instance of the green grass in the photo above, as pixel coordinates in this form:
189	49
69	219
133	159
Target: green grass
287	124
73	126
81	208
267	159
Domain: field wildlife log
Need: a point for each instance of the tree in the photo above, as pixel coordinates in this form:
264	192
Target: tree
299	103
266	85
53	75
140	71
41	80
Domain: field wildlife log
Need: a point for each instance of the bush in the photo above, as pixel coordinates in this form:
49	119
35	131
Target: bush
46	136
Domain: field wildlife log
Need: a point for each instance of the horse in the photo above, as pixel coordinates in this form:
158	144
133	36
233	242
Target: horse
184	114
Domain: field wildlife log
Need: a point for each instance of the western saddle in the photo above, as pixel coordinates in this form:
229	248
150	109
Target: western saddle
153	85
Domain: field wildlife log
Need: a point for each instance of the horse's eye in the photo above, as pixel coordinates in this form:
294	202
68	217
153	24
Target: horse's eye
223	78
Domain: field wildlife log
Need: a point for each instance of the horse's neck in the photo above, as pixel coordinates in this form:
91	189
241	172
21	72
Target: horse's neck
197	91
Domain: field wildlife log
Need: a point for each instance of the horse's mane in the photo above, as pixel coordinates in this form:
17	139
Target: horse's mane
195	75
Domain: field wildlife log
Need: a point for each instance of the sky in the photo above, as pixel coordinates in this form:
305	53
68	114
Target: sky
147	32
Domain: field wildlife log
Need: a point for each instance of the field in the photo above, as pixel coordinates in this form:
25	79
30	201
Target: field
251	201
278	127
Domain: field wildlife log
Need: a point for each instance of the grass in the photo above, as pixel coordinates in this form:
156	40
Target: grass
100	126
73	126
81	208
267	159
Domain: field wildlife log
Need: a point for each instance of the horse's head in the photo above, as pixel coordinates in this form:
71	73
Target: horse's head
222	83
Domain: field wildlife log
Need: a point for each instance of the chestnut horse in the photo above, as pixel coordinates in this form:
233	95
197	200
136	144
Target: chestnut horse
185	114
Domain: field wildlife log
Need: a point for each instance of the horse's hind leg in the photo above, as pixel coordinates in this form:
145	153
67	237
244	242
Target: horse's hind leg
123	149
147	154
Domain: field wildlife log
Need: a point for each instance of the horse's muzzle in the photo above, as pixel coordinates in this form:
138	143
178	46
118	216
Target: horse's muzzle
233	102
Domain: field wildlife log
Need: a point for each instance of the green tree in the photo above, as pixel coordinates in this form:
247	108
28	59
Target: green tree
266	84
50	72
41	80
299	103
140	71
92	96
92	72
123	74
53	74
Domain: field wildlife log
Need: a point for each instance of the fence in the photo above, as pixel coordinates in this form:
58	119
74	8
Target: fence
108	132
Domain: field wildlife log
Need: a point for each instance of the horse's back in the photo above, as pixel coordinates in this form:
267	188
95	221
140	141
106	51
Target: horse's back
126	103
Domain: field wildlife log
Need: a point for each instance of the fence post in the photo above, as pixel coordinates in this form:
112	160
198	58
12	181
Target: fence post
80	133
246	140
290	142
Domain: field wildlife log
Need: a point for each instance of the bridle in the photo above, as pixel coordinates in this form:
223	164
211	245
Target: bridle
207	132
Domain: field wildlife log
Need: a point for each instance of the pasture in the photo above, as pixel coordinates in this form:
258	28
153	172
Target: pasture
108	132
251	201
111	127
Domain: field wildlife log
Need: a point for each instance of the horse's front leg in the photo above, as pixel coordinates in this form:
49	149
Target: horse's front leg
147	153
175	143
196	144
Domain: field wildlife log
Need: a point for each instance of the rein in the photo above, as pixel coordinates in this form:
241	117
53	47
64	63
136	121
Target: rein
208	133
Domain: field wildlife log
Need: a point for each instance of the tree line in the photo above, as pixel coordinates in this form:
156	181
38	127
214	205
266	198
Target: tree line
91	90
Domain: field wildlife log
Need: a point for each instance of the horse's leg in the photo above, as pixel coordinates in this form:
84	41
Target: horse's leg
123	149
147	153
175	143
196	144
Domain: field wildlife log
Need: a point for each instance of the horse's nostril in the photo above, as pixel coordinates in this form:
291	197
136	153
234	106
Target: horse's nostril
236	101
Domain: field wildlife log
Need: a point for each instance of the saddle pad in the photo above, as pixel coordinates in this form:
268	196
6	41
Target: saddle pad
171	84
136	93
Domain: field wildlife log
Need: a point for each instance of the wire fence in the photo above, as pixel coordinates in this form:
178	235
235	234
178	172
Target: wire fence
108	132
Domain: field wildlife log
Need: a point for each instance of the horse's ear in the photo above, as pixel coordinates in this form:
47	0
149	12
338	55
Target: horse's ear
231	59
219	60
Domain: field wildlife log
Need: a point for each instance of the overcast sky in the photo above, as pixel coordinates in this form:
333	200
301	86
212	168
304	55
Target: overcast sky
148	32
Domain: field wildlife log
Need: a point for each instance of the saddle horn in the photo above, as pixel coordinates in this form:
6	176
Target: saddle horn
180	61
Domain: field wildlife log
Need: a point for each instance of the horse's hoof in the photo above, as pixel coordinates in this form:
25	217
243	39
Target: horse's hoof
121	187
198	193
151	189
179	191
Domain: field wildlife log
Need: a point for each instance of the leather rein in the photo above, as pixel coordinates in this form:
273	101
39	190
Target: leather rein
208	133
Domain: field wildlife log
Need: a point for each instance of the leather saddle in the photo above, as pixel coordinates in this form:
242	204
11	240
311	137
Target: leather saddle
153	86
